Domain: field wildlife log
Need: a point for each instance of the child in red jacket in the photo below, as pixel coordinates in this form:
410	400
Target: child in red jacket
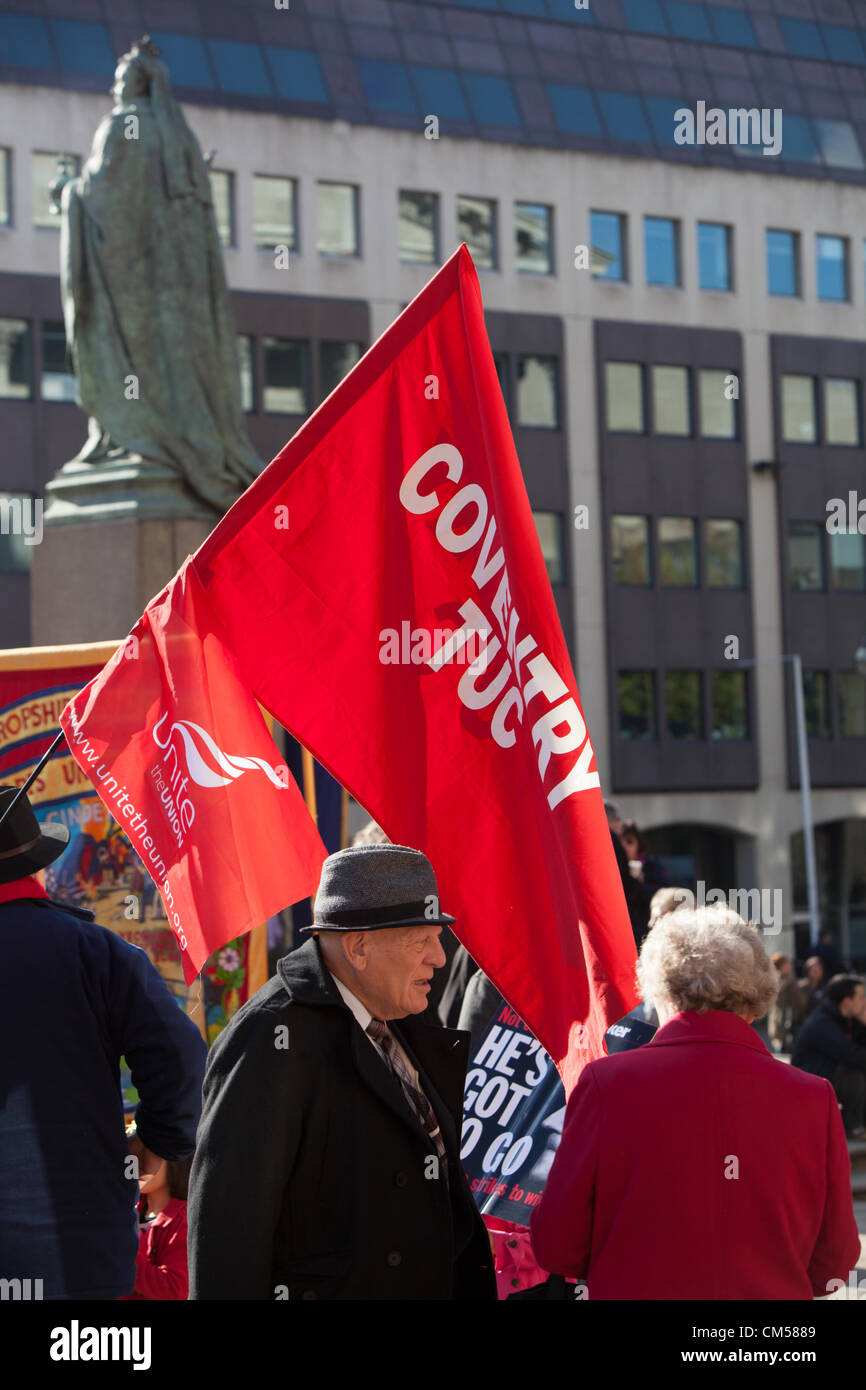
160	1267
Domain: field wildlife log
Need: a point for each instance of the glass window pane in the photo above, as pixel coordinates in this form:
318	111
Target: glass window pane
798	410
816	698
492	99
221	188
47	168
439	90
476	225
660	249
838	144
240	67
852	704
58	379
607	245
245	367
732	27
782	276
714	271
274	211
683	704
630	551
624	396
574	109
18	520
688	20
286	384
337	219
186	58
386	85
297	74
730	708
418	218
843	43
24	42
549	528
336	360
636	705
678	562
841	413
671	414
802	37
717	404
644	15
534	252
724	554
848	560
805	555
84	47
832	257
15	360
624	116
536	392
799	141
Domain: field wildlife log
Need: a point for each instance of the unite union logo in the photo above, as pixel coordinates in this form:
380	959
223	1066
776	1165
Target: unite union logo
206	763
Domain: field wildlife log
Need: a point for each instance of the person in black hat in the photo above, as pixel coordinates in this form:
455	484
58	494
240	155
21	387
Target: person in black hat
78	998
328	1155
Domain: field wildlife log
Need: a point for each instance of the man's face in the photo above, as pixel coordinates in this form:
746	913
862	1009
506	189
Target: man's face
393	968
853	1006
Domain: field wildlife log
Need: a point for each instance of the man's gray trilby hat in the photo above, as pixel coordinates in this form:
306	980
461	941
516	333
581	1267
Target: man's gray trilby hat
367	887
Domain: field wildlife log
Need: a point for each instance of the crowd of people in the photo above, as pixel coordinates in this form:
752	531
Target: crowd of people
314	1152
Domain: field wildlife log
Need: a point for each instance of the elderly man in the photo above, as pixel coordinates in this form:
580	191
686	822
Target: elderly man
698	1166
328	1157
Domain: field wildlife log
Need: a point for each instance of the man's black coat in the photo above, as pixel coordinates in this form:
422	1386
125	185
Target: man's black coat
828	1040
312	1177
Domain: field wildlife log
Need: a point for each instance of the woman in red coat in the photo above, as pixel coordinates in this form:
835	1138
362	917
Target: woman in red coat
699	1166
161	1266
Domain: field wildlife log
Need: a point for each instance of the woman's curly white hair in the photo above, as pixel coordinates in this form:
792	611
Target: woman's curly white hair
707	958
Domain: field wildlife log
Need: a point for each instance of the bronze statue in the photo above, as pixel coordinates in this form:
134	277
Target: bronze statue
145	298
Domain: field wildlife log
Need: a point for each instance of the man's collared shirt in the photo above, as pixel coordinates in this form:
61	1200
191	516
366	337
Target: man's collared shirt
363	1017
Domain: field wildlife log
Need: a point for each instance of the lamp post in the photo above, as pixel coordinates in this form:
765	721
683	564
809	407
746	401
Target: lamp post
805	779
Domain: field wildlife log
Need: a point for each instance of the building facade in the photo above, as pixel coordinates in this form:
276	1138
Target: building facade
677	328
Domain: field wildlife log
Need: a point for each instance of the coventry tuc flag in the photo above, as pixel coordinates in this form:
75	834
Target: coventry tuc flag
382	590
179	752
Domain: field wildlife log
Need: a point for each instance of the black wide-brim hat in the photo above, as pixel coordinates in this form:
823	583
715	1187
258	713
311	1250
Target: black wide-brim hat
26	846
370	887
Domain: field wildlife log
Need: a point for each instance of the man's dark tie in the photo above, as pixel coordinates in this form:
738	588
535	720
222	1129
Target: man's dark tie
420	1105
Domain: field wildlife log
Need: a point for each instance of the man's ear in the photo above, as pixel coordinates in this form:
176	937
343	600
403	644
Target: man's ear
354	944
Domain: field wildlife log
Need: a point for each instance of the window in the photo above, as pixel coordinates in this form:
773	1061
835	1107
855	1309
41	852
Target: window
852	704
533	242
671	414
607	245
678	561
848	560
24	42
783	277
661	251
630	551
843	44
645	15
832	262
222	193
476	225
637	721
798	410
5	189
337	219
624	116
84	47
730	708
297	74
802	37
240	67
336	360
274	212
386	85
549	528
799	141
47	168
247	375
186	58
287	375
58	381
838	144
841	411
723	554
683	704
732	27
439	90
536	392
491	99
714	258
574	109
717	404
15	360
623	383
688	20
19	517
805	555
816	698
418	223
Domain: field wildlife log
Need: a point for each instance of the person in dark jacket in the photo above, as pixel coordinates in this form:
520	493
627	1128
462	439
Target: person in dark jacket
832	1044
79	997
327	1162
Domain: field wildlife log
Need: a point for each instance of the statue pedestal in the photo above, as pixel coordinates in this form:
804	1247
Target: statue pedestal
114	534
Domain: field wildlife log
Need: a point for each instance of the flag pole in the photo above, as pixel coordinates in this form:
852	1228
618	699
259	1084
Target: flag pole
22	790
344	818
309	769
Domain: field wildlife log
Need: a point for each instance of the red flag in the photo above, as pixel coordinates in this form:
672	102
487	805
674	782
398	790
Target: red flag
179	752
389	544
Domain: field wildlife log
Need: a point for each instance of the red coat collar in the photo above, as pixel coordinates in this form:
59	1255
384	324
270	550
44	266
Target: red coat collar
21	888
716	1025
